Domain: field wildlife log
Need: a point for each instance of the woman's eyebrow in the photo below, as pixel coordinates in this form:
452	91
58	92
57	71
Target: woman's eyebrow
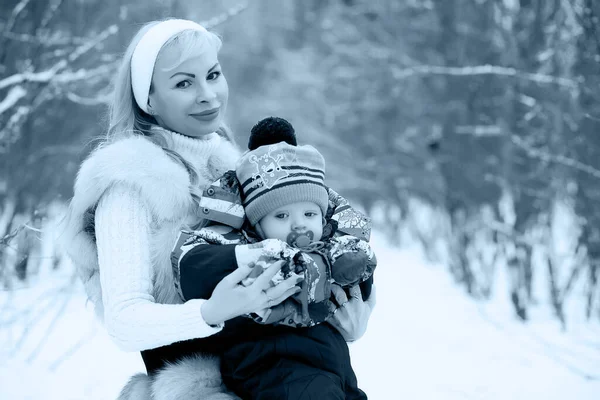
183	73
193	75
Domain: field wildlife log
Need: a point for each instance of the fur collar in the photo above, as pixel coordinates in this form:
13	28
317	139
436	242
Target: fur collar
139	163
165	187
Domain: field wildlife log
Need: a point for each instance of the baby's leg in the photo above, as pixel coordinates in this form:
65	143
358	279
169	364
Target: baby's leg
298	381
292	363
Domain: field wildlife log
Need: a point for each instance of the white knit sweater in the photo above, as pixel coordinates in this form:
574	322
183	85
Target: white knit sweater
129	229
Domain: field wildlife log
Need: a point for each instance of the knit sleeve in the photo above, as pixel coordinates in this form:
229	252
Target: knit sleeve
132	317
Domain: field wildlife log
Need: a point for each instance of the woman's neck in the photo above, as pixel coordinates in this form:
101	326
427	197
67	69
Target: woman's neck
194	150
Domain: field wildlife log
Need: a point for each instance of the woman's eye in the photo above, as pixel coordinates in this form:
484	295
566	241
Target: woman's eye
213	75
183	84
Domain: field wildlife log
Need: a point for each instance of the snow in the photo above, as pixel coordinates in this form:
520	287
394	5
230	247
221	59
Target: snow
14	95
426	340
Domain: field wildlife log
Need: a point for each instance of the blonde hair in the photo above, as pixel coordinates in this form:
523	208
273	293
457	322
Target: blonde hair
126	118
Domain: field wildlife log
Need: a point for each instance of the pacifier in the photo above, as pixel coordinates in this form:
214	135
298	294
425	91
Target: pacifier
300	240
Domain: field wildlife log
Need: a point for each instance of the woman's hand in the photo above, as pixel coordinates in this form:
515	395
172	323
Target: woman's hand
230	299
352	317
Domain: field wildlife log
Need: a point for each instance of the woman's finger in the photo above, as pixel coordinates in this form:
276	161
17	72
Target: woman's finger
237	276
372	298
263	280
335	320
341	319
285	295
355	292
283	287
339	294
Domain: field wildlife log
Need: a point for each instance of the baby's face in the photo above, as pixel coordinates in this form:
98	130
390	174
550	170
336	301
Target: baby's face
298	217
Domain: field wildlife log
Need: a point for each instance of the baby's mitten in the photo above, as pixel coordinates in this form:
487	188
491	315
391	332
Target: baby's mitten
308	307
352	260
260	256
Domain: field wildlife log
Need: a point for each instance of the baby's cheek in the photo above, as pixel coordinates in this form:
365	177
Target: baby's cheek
318	231
281	235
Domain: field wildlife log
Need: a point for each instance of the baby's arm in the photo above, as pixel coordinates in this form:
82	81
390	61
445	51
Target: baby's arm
202	268
353	260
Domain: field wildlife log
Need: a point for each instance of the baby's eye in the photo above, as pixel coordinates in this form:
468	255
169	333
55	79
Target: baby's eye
281	215
183	84
310	214
213	75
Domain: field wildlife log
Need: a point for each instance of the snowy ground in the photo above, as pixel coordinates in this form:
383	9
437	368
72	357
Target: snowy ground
426	340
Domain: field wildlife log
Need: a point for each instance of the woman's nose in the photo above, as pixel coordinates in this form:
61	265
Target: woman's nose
205	95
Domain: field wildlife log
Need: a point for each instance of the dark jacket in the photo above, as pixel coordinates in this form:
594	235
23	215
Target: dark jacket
266	361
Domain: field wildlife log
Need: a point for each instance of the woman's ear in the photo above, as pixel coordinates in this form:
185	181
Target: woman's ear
150	109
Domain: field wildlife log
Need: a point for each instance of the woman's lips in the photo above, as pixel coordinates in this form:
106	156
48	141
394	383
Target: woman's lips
207	115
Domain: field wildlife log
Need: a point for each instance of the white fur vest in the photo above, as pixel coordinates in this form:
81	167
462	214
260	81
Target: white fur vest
165	188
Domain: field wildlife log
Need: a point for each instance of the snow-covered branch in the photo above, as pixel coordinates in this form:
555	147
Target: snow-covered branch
14	95
508	231
80	74
89	101
81	50
403	73
10	131
15	14
569	162
50	13
38	37
53	40
494	130
16	118
51	73
219	19
479	130
43	76
6	239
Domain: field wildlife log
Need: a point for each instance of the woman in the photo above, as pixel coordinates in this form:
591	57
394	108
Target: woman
166	141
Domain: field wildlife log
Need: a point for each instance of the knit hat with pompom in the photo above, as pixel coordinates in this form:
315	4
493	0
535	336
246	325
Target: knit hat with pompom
275	171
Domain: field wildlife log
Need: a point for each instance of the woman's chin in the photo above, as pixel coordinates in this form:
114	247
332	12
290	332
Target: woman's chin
199	133
206	128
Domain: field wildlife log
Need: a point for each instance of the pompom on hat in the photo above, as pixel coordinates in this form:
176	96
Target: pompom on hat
270	131
276	172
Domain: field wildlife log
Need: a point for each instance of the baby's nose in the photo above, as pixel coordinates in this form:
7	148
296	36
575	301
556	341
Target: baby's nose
298	225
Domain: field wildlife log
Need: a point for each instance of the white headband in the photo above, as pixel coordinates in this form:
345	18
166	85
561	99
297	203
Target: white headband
146	51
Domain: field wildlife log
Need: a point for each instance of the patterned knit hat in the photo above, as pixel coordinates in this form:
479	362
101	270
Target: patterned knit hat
278	174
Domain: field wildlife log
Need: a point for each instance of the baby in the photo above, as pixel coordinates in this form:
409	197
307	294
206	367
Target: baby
277	192
275	206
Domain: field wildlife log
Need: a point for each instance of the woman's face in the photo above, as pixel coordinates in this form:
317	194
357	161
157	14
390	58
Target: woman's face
188	95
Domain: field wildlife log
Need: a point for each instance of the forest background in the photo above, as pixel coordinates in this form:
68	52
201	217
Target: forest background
469	126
